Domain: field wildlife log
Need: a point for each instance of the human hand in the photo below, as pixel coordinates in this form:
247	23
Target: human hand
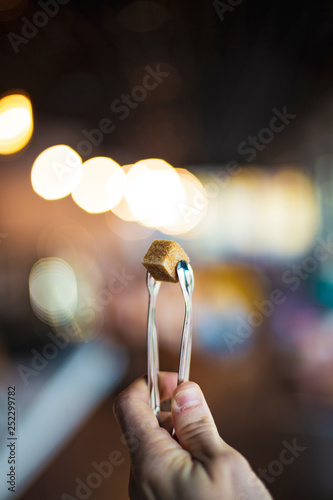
198	465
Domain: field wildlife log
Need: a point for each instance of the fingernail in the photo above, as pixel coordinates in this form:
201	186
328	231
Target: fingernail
188	398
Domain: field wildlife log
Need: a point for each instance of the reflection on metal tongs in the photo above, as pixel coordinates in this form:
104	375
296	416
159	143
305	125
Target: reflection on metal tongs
186	280
152	345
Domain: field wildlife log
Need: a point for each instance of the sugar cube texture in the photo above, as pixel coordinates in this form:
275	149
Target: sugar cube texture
162	258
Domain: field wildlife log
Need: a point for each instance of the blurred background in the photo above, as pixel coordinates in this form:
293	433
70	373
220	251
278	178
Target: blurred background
208	123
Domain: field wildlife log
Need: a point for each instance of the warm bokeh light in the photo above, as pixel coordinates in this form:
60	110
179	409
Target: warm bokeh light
194	208
264	213
101	187
56	172
53	291
122	210
289	221
162	197
154	192
16	123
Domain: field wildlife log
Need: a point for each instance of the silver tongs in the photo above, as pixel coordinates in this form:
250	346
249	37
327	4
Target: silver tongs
186	280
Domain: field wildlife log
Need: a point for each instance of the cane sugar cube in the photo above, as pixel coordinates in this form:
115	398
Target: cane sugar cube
162	258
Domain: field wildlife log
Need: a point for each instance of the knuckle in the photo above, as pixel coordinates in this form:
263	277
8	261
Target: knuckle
194	429
232	462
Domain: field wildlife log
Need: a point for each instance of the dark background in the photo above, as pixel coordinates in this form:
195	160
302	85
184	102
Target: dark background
226	76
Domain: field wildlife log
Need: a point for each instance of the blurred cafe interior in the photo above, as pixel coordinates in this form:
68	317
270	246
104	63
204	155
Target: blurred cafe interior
126	122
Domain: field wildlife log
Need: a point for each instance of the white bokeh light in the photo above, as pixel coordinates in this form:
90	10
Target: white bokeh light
154	192
56	172
53	291
101	187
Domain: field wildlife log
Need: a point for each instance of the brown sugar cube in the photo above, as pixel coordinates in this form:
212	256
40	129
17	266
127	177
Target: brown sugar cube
162	258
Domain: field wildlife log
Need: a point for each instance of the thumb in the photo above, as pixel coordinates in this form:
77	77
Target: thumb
193	422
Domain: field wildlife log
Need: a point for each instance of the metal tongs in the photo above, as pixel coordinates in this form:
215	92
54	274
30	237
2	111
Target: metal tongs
186	280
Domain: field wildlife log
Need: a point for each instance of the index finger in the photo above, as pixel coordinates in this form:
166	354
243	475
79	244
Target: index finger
138	422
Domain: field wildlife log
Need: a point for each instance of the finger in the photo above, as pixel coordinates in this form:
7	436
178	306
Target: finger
193	422
139	424
167	382
167	385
